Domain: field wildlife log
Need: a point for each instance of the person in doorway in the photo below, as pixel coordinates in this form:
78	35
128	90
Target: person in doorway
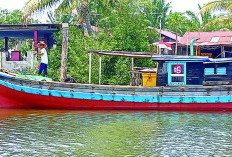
44	58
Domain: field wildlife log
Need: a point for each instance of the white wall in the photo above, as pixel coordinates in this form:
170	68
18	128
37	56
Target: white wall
18	66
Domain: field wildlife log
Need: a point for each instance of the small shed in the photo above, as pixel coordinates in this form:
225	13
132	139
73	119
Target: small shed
36	32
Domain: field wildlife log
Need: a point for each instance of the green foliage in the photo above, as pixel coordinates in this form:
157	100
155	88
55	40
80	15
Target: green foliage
128	32
25	46
78	56
177	23
156	11
207	21
123	30
221	22
14	17
61	18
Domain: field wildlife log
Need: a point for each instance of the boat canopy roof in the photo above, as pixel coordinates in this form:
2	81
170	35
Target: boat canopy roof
123	53
179	58
204	59
155	57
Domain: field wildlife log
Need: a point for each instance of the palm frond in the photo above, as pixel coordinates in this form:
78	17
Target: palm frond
192	15
219	5
33	6
64	7
220	20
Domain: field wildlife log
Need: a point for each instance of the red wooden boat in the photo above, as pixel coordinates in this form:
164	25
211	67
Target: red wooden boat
24	93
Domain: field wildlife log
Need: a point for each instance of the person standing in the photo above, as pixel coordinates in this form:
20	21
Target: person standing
44	58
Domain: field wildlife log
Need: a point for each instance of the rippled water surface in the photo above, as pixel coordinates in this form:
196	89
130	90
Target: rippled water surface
114	133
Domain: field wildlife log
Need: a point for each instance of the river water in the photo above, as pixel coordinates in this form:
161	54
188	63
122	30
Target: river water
114	133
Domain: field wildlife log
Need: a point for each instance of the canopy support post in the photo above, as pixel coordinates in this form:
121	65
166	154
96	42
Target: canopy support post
100	66
133	72
90	63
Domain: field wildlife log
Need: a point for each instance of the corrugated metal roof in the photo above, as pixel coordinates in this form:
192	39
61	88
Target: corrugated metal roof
207	38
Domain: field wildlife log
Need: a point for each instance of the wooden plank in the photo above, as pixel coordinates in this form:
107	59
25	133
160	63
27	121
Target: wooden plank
198	91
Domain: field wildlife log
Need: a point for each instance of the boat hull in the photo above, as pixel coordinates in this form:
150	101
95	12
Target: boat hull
21	100
30	94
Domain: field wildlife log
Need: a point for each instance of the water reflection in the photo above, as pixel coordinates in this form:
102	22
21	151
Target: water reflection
118	133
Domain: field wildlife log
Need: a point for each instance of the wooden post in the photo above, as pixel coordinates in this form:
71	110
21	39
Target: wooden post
176	46
100	65
6	49
133	72
187	44
90	62
223	54
6	44
64	52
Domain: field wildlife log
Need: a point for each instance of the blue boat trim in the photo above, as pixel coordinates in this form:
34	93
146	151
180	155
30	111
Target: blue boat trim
181	58
108	97
5	75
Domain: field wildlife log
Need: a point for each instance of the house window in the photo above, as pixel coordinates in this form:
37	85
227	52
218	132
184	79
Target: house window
209	71
221	71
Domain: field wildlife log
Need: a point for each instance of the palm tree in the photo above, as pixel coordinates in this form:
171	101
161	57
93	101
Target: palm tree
205	17
199	22
219	5
33	6
157	12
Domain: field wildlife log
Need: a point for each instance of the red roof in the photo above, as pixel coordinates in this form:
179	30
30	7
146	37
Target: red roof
208	38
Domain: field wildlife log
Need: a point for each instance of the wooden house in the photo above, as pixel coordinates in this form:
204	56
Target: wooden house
216	44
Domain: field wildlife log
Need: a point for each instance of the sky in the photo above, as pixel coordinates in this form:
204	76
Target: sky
12	4
184	5
177	5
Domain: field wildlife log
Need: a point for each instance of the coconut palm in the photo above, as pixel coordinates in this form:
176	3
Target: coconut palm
205	17
199	21
157	12
219	5
81	6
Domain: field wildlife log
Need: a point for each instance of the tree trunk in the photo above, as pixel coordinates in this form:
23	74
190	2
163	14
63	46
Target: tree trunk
64	53
84	10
